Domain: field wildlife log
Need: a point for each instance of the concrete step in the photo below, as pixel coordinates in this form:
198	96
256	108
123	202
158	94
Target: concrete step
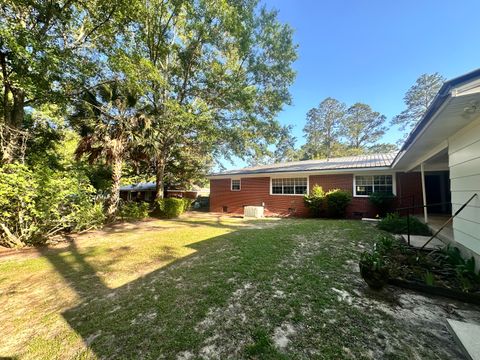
417	241
467	336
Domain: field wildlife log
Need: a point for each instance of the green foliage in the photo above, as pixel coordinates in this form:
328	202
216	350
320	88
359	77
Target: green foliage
331	204
131	210
464	268
337	201
323	127
429	278
187	203
397	224
372	259
36	203
315	201
171	207
417	100
90	217
332	130
362	126
382	202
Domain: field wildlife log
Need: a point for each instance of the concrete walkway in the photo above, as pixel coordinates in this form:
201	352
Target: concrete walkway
467	336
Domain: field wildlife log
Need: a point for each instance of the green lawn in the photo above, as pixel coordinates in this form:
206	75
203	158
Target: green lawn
202	287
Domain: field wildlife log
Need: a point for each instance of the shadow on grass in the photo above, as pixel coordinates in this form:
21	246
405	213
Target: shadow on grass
156	315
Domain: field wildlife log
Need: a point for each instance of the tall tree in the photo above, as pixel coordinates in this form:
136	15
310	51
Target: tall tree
323	128
283	151
109	123
417	100
362	126
213	72
285	146
46	47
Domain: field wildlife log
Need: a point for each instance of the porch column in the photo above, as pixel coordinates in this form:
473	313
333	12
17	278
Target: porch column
424	193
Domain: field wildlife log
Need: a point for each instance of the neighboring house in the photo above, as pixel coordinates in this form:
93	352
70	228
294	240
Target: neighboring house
439	163
146	192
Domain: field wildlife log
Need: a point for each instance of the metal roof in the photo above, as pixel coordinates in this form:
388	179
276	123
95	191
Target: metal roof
348	162
139	187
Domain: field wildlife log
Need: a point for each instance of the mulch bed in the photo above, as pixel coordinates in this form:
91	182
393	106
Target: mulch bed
438	272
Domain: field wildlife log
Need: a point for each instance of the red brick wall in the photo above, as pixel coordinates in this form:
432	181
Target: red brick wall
359	206
255	191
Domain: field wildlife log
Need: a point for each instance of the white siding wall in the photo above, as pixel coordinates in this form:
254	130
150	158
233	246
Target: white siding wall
464	163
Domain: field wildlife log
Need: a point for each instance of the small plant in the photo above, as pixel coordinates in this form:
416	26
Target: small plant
382	201
429	278
337	201
373	269
397	224
385	244
133	210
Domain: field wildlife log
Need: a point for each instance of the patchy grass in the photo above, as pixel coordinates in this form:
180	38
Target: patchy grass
204	287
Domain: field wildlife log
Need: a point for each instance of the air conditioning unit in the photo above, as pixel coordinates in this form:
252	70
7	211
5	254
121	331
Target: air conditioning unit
253	211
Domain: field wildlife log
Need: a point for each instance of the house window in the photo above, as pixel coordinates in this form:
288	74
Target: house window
365	185
235	185
289	186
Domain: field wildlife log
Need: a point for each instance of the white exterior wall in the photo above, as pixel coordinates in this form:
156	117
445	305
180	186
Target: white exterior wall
464	164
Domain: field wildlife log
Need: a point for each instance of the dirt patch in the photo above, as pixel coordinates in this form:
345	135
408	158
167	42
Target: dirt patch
282	334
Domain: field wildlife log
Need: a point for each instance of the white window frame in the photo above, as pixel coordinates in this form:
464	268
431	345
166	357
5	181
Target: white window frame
394	183
239	182
290	177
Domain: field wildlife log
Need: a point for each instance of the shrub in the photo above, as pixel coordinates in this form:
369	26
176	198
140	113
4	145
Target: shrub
186	204
91	217
397	224
170	207
133	210
40	202
382	201
337	201
315	201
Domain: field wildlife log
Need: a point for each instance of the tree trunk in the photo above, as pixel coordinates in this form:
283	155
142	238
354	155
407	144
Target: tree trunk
18	108
160	172
114	197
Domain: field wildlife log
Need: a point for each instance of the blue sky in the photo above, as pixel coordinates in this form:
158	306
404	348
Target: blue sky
373	51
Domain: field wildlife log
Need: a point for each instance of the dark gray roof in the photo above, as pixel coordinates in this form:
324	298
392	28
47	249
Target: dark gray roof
348	162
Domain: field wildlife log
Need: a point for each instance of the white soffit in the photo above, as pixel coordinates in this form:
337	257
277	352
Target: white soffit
459	110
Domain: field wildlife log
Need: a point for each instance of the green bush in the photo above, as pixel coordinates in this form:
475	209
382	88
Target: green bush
170	207
382	201
337	201
36	203
187	203
133	210
91	217
315	201
397	224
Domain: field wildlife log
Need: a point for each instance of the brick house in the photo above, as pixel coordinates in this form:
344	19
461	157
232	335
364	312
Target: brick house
280	188
437	168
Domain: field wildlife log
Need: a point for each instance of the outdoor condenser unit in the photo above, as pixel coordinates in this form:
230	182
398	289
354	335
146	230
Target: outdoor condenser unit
253	211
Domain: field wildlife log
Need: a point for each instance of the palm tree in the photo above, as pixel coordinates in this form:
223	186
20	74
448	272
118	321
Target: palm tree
110	124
